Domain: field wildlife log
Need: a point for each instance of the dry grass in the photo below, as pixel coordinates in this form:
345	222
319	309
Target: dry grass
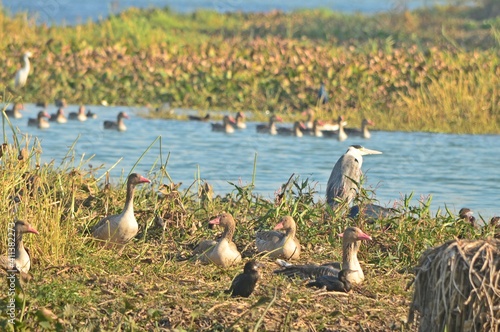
155	284
457	287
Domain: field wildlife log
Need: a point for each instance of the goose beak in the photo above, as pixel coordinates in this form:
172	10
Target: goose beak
215	221
32	230
279	226
142	179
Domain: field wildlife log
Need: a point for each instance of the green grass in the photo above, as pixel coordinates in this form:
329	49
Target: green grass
400	69
156	285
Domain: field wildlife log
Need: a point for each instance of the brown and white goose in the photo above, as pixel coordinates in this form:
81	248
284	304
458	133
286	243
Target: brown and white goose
121	228
40	120
226	126
296	130
342	136
80	115
15	111
119	124
21	260
280	245
269	128
223	252
315	130
351	242
240	121
363	132
58	117
309	118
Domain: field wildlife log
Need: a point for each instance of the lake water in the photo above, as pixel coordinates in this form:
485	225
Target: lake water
457	170
73	12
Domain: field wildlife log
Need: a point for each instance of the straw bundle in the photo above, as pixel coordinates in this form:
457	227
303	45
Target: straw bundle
457	287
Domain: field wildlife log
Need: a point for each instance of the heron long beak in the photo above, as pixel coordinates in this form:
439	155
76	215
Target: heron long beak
365	151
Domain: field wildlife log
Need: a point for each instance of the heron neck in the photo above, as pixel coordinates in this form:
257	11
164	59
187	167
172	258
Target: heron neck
26	63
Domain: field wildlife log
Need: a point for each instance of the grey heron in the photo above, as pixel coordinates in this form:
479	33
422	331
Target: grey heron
22	74
346	175
322	94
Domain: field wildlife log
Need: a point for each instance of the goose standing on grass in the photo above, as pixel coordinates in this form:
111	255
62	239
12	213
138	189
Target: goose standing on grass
120	228
22	74
244	283
269	128
296	130
118	125
280	245
363	132
58	117
240	121
223	252
40	121
346	175
80	115
15	112
22	262
339	283
226	126
351	241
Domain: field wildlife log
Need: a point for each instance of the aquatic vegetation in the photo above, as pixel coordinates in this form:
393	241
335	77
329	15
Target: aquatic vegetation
155	284
394	68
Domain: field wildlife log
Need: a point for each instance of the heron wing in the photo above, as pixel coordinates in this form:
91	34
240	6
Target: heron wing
344	179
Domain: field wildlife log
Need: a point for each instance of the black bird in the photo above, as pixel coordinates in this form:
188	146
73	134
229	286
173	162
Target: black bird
337	284
244	283
371	212
467	215
322	94
199	118
495	224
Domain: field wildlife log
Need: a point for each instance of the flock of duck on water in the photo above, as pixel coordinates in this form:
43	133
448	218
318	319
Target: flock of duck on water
281	243
311	126
43	119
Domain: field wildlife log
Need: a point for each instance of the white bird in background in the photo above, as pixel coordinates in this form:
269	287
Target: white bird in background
22	74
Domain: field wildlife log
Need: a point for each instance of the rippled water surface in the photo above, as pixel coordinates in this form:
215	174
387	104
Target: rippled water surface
457	170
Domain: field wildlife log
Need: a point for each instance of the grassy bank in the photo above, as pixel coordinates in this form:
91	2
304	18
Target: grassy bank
431	69
155	284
